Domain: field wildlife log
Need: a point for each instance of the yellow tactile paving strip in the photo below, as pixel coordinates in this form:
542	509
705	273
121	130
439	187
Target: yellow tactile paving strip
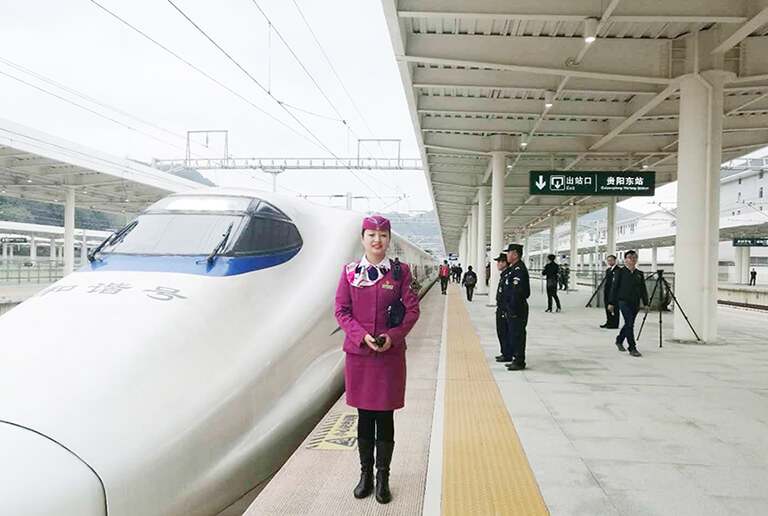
485	470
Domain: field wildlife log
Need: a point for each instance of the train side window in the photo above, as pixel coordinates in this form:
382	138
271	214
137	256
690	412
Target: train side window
266	235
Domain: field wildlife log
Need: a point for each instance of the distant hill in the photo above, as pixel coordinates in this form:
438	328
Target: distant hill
49	214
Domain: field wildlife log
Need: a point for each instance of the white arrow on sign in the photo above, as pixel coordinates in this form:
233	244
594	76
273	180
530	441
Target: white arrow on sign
541	183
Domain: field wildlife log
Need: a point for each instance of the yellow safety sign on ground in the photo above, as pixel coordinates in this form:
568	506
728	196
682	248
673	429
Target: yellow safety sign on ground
338	432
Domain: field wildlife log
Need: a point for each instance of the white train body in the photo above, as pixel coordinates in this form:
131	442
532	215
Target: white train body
152	384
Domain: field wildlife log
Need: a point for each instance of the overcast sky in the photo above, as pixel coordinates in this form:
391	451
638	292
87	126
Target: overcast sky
81	46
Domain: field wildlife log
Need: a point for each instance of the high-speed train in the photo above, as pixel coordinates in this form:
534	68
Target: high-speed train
177	371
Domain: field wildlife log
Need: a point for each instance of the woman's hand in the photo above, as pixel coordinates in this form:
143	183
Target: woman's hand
370	342
387	343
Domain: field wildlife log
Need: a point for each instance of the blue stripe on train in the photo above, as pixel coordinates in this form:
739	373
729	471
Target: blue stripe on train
222	265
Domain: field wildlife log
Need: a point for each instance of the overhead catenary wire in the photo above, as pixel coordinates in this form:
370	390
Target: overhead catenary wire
202	72
261	86
88	98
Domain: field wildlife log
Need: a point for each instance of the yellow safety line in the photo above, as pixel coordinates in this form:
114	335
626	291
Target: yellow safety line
485	470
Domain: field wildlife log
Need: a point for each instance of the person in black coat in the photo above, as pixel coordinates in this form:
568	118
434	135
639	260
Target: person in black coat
627	292
505	342
516	291
551	272
469	281
611	319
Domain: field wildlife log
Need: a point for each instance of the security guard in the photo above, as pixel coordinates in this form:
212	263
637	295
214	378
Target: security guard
517	289
507	353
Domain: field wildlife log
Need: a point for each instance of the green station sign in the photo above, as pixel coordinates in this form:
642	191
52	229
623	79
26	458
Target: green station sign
750	242
582	182
13	240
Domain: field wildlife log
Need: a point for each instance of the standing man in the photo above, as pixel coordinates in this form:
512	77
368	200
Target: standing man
469	281
611	319
551	272
752	277
457	279
517	289
566	276
445	275
627	291
507	353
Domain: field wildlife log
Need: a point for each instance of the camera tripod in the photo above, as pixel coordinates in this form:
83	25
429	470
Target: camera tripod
660	280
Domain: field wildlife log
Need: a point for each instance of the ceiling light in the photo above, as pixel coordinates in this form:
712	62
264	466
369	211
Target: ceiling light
590	30
645	166
549	99
523	145
29	180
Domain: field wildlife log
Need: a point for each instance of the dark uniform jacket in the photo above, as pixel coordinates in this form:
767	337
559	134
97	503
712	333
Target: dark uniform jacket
609	272
500	304
628	286
550	271
517	289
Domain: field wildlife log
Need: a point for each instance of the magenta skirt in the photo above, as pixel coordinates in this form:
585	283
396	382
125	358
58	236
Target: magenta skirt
375	382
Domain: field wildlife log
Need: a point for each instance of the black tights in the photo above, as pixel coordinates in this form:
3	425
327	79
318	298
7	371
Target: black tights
376	425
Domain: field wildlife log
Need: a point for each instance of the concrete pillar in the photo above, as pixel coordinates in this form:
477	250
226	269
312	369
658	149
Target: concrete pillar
654	258
574	238
10	252
611	227
33	249
69	231
5	251
552	239
83	249
527	246
698	204
498	169
482	201
745	257
463	248
581	260
473	242
52	253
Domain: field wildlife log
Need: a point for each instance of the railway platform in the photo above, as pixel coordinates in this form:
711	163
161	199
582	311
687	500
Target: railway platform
584	431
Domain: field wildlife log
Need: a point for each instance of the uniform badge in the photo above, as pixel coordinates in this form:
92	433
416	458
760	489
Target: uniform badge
515	281
387	285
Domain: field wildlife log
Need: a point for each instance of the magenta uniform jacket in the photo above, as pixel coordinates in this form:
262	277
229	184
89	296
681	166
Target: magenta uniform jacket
375	380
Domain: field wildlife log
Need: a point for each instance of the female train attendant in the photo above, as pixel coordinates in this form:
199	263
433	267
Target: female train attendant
370	300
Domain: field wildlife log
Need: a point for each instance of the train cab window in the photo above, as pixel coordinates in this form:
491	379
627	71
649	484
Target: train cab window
195	225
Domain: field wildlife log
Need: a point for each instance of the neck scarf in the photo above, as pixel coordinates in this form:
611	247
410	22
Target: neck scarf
363	274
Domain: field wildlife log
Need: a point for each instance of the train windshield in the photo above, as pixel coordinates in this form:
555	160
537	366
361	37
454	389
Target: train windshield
195	225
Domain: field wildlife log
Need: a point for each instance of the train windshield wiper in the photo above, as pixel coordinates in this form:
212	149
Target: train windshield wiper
220	245
114	238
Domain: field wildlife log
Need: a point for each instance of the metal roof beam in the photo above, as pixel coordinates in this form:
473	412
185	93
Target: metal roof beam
742	32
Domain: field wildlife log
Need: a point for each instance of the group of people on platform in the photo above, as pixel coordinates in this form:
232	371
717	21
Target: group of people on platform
376	307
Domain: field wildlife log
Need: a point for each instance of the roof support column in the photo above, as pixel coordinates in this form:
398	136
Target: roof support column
552	238
698	204
473	239
83	249
738	261
69	231
610	245
498	164
463	247
745	257
574	238
5	251
33	249
654	259
482	202
526	246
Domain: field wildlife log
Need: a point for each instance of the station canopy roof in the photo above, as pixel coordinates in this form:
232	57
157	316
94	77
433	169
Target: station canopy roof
483	75
38	166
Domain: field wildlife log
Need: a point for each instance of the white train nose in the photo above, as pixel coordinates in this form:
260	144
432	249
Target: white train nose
39	478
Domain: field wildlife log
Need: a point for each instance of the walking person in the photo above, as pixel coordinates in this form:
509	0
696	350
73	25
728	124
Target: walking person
611	318
374	371
517	290
459	270
445	274
505	344
627	292
551	272
469	281
752	277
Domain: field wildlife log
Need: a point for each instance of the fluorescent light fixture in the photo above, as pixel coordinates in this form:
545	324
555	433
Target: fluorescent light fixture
590	30
549	98
523	145
645	166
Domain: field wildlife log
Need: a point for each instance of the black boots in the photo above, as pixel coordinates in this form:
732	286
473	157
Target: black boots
383	459
365	486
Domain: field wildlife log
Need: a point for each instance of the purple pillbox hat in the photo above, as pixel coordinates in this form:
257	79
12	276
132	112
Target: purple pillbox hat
376	222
